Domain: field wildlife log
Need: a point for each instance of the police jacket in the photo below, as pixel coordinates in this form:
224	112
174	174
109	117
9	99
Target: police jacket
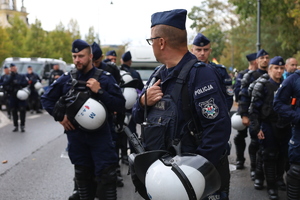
15	82
244	96
134	74
261	107
54	73
238	83
226	83
111	95
33	78
287	99
111	68
207	102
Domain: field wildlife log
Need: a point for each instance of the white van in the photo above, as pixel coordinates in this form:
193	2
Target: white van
143	60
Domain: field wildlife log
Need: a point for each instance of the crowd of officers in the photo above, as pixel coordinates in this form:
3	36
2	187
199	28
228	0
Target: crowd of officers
272	122
269	114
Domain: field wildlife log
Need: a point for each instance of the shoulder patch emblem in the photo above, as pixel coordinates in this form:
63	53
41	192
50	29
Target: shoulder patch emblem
229	91
209	109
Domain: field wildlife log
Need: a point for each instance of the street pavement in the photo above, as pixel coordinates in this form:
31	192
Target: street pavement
38	168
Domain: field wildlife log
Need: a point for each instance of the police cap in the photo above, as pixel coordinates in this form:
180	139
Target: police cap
5	67
261	52
12	65
200	40
29	66
175	18
277	60
250	57
126	56
111	53
78	45
97	52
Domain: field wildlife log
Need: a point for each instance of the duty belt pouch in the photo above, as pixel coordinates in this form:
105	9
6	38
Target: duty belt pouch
162	122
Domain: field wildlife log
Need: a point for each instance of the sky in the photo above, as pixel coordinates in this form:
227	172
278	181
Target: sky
118	23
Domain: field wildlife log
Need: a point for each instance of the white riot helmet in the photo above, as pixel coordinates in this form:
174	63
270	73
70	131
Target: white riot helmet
38	85
23	93
186	176
86	112
130	94
236	122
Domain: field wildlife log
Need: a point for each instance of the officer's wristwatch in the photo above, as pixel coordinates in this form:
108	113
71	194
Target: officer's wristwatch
100	91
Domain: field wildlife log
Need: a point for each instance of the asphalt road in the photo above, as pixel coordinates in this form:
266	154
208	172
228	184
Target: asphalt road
37	167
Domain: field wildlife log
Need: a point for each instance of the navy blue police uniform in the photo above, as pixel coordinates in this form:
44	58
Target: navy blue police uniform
3	89
167	122
54	73
96	150
276	133
244	103
106	65
226	80
286	104
226	84
14	83
33	99
239	139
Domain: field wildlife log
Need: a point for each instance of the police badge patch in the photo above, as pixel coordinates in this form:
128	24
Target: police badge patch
209	109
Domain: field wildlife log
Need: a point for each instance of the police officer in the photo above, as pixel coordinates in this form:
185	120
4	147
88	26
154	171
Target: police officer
202	94
15	83
55	73
290	67
286	104
91	151
202	49
108	66
33	99
112	68
111	56
272	133
4	77
239	139
256	170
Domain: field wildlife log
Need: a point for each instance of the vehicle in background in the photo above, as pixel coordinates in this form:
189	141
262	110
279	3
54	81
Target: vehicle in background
41	66
143	60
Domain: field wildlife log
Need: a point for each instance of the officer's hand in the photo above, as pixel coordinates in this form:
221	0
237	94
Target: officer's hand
93	84
245	121
261	135
154	94
68	126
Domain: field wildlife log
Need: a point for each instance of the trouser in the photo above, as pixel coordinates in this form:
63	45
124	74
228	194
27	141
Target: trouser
240	144
15	115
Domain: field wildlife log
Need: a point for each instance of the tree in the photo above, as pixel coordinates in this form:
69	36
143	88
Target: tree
17	34
6	45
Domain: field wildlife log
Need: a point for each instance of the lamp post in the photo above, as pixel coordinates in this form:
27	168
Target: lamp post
258	25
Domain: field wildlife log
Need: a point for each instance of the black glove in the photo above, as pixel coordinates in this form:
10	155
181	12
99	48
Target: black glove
59	110
119	121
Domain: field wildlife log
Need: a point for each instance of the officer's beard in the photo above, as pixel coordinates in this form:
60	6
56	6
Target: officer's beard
84	67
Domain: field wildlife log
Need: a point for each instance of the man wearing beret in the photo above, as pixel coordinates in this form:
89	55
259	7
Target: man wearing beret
286	104
111	56
5	97
262	59
14	83
108	66
239	139
273	134
91	151
201	92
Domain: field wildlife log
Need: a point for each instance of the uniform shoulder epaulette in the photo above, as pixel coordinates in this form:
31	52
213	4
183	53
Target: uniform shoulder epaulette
199	64
106	73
